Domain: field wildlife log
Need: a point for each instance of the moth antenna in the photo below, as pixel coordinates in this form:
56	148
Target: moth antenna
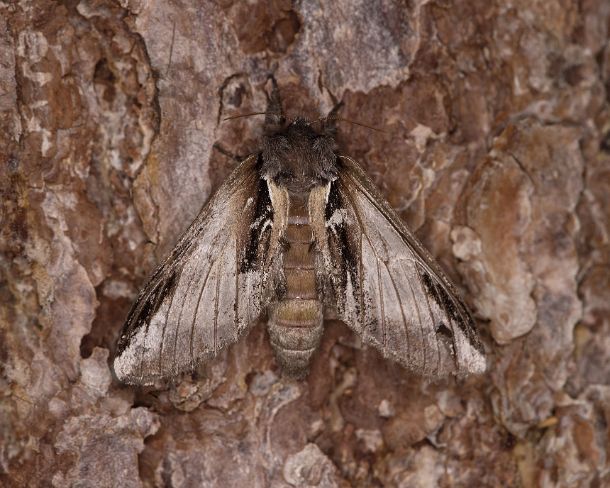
239	116
332	117
341	119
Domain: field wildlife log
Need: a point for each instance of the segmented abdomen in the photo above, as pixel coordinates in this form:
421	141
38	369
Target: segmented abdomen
295	323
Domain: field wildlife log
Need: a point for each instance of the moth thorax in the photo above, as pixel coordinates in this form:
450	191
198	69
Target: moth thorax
295	328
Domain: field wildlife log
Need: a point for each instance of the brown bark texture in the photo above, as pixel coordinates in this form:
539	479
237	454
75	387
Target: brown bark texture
495	150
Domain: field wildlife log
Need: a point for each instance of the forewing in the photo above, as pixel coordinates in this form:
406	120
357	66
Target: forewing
209	290
385	286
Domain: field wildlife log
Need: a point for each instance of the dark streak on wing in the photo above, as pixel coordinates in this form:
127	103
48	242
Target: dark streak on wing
446	335
339	239
441	297
259	233
461	316
442	329
143	310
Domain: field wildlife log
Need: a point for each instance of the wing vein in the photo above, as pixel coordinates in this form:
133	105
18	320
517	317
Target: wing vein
421	325
361	282
180	314
360	261
236	302
402	312
196	311
450	320
158	298
438	352
381	305
171	302
363	233
216	293
191	335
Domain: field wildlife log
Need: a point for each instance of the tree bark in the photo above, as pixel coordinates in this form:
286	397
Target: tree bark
495	150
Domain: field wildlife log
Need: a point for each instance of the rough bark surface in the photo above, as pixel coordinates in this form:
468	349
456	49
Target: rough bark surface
496	151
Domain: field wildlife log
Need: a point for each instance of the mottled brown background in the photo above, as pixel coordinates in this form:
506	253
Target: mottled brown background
496	151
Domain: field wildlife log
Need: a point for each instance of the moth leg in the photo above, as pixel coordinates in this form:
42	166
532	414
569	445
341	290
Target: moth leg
312	246
274	115
284	244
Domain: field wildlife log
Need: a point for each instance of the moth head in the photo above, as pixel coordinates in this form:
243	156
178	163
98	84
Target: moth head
298	156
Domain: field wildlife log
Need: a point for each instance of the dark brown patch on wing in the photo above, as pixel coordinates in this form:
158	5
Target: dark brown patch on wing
461	317
342	245
257	244
338	237
441	297
143	310
445	331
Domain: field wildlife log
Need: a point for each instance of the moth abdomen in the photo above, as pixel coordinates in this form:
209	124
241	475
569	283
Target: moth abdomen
295	328
295	322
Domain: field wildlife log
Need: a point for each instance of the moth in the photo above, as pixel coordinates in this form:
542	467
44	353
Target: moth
298	231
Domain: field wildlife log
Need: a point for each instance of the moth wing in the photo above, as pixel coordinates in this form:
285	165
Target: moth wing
209	290
385	286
